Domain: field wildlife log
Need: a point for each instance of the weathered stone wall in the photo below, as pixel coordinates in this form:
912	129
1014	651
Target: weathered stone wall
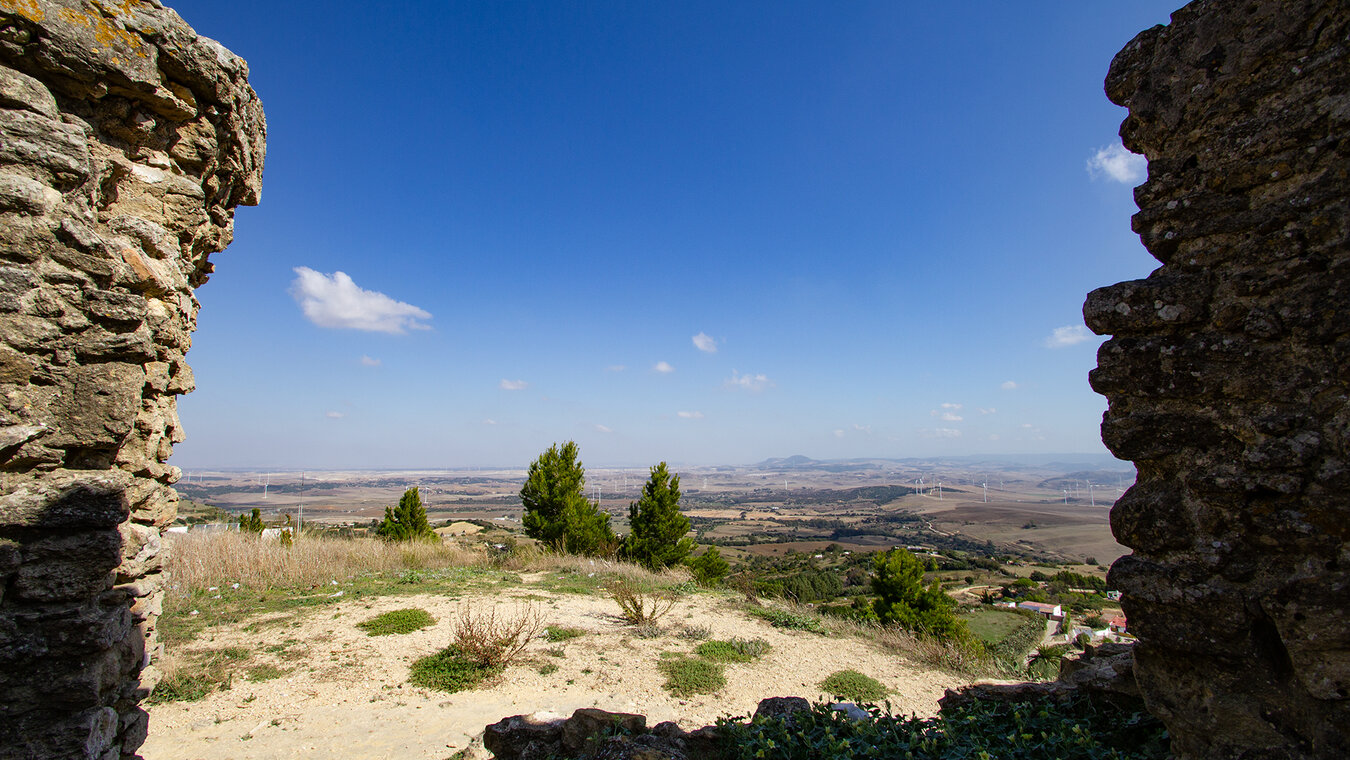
125	143
1228	373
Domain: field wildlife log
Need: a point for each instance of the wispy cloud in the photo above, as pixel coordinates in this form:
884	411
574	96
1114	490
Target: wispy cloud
1008	385
334	415
705	343
990	410
748	382
489	421
690	415
1117	164
615	368
940	433
513	385
950	405
839	434
863	428
335	301
1069	335
602	429
947	412
367	361
663	367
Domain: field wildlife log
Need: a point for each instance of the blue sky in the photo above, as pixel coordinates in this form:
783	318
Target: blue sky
698	232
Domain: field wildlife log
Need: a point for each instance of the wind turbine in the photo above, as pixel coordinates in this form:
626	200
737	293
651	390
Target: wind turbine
1066	496
267	483
1091	498
986	491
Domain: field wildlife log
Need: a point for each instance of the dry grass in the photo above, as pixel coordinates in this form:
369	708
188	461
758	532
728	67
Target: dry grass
201	560
948	656
533	559
638	604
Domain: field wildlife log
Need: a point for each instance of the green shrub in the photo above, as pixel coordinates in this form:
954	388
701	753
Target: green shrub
735	650
397	621
449	670
853	686
562	633
687	677
1038	730
786	619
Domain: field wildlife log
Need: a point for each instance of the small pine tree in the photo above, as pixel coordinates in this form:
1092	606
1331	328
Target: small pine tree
556	511
252	522
407	521
904	601
708	568
658	527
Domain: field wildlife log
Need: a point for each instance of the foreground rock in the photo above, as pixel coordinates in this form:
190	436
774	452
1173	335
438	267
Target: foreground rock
1227	377
126	140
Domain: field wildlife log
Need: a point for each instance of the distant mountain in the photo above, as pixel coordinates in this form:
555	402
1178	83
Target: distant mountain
786	463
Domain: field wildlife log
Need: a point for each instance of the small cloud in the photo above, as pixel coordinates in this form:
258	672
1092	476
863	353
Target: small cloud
335	301
1008	385
839	434
603	429
946	416
513	385
663	367
615	368
489	421
1028	426
690	415
940	433
863	428
332	415
705	343
367	361
990	410
950	406
1069	335
1116	163
748	382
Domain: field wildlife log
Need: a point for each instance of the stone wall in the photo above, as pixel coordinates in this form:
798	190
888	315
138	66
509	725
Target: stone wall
125	143
1227	376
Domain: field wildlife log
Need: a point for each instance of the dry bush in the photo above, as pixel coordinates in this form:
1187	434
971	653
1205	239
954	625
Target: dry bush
492	640
200	560
639	605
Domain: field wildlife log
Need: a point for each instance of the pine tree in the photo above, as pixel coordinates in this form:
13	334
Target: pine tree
557	512
407	521
904	601
658	527
708	568
252	522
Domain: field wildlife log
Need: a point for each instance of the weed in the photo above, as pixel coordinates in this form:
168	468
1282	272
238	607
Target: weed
411	577
735	650
853	686
548	668
562	633
555	652
639	604
787	619
265	672
397	621
695	632
647	631
449	670
686	677
492	641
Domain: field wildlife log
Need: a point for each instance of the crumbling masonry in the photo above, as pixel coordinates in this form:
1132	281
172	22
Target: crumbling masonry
1227	377
126	141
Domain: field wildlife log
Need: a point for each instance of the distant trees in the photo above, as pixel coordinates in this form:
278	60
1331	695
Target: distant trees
904	601
407	521
252	522
557	512
657	527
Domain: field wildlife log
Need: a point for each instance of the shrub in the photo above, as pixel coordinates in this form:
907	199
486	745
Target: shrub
449	670
695	632
787	619
492	641
687	677
735	650
639	605
252	522
562	633
407	521
657	538
903	600
397	621
853	686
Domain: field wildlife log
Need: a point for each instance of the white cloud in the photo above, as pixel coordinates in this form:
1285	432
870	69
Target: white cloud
950	406
748	382
1028	426
489	421
862	428
367	361
947	412
663	367
615	368
940	433
513	385
1116	163
334	415
1069	335
839	434
1008	385
335	301
705	343
990	410
603	429
690	415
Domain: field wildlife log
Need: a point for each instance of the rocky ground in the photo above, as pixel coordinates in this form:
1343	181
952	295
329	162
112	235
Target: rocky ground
346	693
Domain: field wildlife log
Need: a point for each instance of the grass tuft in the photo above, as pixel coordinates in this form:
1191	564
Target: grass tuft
562	633
397	621
449	670
853	686
795	621
686	677
735	650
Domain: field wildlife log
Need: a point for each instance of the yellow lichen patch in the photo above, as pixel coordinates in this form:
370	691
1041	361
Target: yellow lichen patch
105	33
29	9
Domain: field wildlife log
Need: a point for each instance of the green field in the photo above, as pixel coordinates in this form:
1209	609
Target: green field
992	625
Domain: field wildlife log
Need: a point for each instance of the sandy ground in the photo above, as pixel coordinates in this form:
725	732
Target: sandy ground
348	697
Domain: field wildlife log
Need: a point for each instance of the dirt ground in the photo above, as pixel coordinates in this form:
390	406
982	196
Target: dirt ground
347	695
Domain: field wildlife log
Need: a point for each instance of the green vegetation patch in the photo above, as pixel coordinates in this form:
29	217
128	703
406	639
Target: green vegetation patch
786	619
735	650
397	621
1035	730
265	672
686	677
204	671
853	686
992	624
562	633
448	670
